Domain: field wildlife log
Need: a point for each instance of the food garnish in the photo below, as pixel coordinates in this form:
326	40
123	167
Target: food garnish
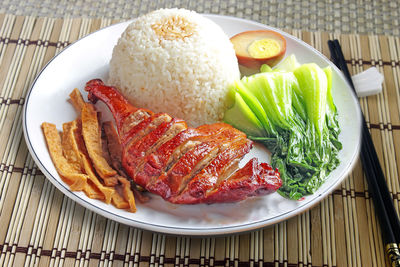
70	172
72	136
290	109
76	166
255	48
91	135
77	100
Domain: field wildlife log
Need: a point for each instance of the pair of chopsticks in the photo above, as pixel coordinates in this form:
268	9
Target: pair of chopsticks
383	202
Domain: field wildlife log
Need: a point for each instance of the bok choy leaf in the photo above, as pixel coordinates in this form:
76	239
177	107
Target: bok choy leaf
293	111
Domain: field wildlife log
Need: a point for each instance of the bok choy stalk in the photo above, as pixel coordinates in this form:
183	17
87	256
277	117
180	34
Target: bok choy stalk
290	109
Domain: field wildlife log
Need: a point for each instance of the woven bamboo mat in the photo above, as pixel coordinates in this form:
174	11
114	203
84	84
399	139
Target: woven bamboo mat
40	226
363	17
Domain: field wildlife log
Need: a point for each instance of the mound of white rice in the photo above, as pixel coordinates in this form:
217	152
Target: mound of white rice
175	61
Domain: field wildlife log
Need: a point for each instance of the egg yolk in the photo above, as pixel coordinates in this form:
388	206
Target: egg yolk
264	48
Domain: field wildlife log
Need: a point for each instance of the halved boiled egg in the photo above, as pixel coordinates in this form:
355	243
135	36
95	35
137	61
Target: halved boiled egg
254	48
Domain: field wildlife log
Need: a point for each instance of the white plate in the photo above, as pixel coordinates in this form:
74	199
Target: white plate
88	58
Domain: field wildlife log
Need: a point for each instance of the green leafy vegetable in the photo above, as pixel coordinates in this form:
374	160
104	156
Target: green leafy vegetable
313	85
290	110
240	116
289	64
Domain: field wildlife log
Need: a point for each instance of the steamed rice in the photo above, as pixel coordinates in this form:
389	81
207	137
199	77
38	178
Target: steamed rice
175	61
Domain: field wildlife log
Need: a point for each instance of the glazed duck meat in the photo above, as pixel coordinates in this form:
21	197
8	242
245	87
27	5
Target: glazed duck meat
182	164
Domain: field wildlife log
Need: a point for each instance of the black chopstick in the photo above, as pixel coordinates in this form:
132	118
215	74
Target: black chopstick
374	168
383	202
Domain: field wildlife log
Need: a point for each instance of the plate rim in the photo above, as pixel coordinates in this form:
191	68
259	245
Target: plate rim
210	231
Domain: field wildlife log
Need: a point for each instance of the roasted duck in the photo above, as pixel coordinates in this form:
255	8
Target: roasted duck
181	164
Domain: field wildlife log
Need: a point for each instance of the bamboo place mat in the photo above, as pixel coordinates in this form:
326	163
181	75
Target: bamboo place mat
40	226
363	17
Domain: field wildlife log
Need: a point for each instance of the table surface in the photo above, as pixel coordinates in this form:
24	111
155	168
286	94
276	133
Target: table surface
363	17
40	226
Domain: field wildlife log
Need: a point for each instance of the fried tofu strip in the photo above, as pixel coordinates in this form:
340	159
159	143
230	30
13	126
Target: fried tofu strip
92	138
128	193
70	172
70	155
79	103
74	144
92	191
77	100
119	201
69	147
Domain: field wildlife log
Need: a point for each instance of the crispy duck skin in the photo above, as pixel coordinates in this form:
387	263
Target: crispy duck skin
137	152
181	164
126	116
197	190
194	161
253	179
